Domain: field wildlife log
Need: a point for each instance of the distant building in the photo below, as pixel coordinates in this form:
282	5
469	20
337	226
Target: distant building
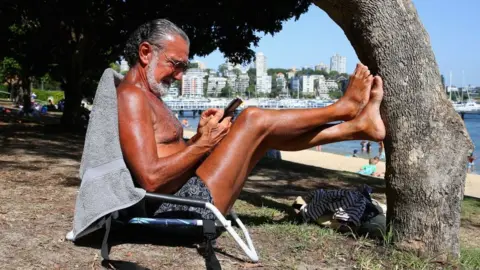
232	80
281	81
338	63
323	67
332	85
264	82
294	84
290	74
215	85
173	92
314	85
192	83
243	82
261	64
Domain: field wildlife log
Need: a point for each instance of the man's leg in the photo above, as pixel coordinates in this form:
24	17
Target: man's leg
225	170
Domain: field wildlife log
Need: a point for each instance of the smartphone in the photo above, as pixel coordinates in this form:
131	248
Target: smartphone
232	106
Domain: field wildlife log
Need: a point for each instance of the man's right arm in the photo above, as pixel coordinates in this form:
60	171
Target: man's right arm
137	139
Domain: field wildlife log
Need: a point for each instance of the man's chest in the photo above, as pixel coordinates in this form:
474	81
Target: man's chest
166	126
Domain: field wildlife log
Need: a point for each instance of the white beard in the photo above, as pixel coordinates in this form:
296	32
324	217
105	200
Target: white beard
158	88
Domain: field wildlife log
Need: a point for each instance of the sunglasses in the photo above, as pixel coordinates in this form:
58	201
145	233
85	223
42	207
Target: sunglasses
179	66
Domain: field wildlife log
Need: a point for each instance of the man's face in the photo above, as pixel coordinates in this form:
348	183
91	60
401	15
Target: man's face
167	65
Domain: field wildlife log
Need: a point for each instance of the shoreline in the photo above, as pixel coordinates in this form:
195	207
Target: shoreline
340	162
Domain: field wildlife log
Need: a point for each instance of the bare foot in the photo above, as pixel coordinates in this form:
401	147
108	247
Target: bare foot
358	92
369	121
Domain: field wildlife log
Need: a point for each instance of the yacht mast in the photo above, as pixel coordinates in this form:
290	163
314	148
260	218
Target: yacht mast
450	87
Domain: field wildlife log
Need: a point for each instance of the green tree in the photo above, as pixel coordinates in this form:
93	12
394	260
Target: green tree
76	41
237	72
226	91
251	90
46	82
115	66
9	72
274	80
272	71
252	76
192	65
333	75
335	94
222	69
321	72
19	34
205	85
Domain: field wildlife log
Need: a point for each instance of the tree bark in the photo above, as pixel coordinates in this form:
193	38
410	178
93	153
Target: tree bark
427	143
73	85
73	99
24	96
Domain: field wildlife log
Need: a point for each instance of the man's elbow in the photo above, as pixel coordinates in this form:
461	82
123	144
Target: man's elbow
150	183
150	188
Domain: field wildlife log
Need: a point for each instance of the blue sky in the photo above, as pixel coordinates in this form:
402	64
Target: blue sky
453	26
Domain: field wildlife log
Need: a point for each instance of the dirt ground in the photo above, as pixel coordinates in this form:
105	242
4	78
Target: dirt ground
38	187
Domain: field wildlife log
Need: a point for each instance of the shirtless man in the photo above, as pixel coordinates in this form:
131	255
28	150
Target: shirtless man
214	164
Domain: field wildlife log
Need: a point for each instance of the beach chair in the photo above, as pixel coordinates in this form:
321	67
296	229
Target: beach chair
211	229
107	190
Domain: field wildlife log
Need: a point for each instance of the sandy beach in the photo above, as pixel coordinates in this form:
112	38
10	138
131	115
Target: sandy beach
351	164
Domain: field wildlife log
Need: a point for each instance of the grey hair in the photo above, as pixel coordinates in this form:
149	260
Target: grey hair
154	32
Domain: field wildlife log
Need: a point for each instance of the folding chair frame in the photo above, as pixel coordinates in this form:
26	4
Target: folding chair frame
248	247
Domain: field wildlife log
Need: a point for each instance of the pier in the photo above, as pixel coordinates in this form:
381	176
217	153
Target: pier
198	105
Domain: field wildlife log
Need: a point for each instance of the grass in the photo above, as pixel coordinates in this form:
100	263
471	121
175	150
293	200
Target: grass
471	211
299	241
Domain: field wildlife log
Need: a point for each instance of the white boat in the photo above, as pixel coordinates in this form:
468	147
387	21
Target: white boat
469	106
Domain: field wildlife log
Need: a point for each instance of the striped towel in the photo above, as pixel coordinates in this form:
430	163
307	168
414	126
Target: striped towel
350	206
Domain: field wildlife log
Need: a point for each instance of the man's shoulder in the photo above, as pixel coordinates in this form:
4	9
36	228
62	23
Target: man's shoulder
131	93
130	90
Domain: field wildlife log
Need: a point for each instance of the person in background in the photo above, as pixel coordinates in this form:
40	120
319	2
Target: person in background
381	150
369	147
370	168
471	163
185	123
355	152
363	144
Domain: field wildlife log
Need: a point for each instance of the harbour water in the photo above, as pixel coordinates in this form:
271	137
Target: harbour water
472	122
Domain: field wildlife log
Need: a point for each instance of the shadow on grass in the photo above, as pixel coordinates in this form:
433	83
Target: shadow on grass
189	237
291	179
41	141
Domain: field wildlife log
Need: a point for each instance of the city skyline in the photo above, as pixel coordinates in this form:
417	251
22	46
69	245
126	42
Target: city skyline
314	38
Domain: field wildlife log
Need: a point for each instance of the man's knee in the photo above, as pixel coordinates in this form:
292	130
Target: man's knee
253	117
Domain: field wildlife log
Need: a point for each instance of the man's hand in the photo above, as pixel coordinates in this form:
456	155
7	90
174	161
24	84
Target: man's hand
210	132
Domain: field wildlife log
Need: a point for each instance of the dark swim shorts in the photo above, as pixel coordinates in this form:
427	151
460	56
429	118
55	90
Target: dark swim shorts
194	188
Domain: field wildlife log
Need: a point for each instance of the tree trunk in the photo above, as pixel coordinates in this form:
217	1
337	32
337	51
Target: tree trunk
73	87
25	93
73	99
427	143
